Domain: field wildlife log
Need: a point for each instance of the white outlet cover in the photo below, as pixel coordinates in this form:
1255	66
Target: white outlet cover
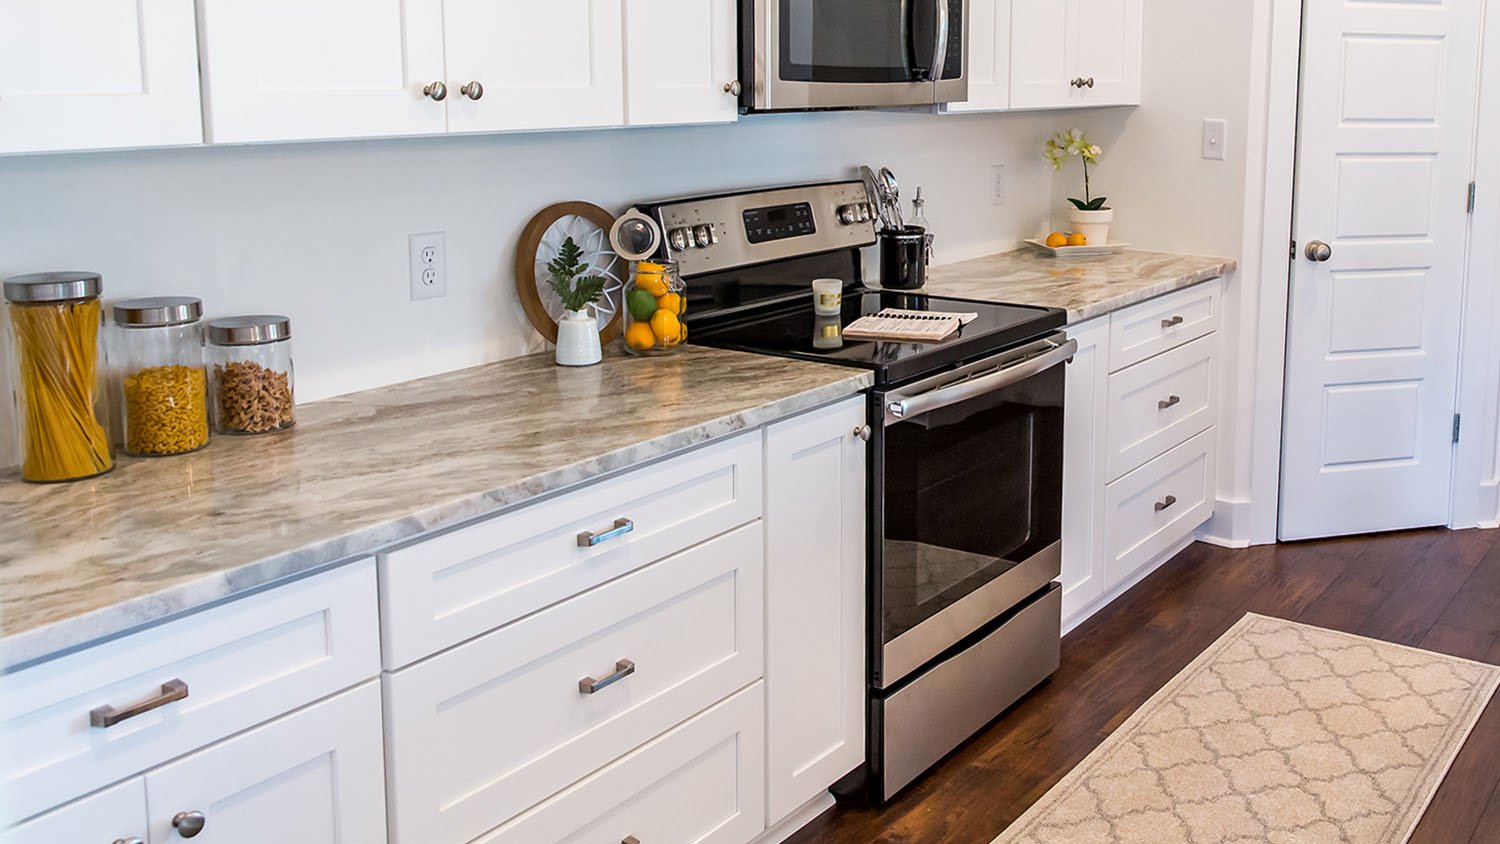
1215	137
997	184
428	266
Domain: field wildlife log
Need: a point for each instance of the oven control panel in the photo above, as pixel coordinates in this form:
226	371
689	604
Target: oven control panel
725	231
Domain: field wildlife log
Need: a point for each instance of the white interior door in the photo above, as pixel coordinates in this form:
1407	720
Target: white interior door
681	58
1384	151
280	70
93	74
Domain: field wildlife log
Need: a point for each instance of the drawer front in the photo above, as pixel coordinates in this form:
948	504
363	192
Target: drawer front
1157	505
489	729
1159	403
701	783
241	663
1153	327
114	814
454	587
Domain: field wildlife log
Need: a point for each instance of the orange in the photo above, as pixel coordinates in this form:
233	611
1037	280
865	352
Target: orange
672	302
1057	239
640	337
1078	239
667	328
652	283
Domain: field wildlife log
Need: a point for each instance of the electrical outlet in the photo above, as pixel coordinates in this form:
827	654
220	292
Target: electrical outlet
429	266
997	184
1215	131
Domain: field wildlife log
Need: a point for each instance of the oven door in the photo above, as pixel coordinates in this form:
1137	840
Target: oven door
812	54
968	502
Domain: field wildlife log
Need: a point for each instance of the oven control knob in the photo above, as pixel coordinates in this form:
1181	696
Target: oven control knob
864	212
703	236
680	239
849	215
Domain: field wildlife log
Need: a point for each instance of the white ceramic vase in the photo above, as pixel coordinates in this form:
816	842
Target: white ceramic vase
578	339
1093	225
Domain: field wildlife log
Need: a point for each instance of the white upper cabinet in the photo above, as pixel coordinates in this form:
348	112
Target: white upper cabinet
97	74
988	56
306	69
1075	53
681	62
557	64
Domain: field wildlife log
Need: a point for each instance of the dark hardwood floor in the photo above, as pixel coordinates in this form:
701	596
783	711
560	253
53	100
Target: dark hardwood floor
1434	589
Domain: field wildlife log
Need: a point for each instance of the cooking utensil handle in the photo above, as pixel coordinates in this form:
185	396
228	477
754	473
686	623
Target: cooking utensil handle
1009	376
107	716
940	49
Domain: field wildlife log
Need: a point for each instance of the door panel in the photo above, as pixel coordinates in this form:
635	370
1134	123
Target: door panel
279	70
1387	119
1107	50
680	56
1040	54
95	74
989	57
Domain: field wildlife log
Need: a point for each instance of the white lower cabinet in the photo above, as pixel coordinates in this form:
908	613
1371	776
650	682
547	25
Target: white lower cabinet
815	603
116	814
316	776
1084	445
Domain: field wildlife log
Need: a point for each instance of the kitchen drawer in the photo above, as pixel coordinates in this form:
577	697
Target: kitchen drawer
701	783
242	663
1157	505
117	813
479	734
442	591
1153	327
1159	403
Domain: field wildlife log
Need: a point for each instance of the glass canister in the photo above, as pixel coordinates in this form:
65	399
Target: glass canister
157	351
250	378
655	305
55	319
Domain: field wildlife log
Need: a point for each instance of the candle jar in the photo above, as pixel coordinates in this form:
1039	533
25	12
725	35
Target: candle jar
157	352
250	376
655	304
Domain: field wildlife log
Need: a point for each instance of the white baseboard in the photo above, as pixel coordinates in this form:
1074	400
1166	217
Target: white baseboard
1230	525
1124	586
797	819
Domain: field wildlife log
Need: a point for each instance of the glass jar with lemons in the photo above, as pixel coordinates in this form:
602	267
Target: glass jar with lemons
655	304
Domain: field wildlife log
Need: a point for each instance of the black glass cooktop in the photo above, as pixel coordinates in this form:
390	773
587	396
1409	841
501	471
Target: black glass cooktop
793	330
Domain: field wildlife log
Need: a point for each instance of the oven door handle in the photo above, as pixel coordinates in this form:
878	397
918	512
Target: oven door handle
908	408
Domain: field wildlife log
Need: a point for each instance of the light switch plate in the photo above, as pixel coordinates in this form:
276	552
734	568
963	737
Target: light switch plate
1215	136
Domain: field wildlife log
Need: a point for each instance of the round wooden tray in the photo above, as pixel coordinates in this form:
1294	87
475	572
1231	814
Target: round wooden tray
588	225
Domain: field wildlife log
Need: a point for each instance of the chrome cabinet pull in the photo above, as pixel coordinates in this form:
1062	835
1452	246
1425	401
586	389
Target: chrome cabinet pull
1170	401
1173	322
863	433
624	668
107	716
1165	503
128	841
1075	82
1089	82
630	839
189	824
437	92
473	90
734	88
589	539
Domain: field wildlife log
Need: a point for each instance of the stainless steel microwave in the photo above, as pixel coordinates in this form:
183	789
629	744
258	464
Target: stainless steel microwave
800	55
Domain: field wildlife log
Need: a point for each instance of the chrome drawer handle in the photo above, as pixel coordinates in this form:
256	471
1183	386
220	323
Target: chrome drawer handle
1165	503
1170	401
630	839
437	92
1173	322
107	716
589	539
189	824
624	668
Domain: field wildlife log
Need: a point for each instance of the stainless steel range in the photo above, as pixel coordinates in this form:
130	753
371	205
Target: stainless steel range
965	497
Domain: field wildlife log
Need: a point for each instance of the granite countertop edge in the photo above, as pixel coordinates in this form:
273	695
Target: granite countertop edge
1208	272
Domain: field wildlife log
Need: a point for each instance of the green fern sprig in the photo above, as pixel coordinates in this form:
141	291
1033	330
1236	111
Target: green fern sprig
563	271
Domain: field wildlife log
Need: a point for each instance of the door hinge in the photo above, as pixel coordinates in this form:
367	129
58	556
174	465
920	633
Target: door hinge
1457	424
1472	189
1292	253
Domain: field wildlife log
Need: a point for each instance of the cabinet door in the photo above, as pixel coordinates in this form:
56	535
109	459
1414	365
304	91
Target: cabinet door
680	56
1041	54
815	603
1084	454
989	57
94	74
313	777
278	70
117	813
557	64
1107	43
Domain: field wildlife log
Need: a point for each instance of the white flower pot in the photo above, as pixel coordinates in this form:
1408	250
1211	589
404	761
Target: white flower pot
1093	225
578	339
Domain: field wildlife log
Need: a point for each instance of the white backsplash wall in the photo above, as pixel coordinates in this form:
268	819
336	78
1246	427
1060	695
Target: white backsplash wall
319	231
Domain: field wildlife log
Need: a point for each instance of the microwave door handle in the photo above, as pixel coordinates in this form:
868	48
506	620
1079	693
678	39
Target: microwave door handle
907	14
898	409
940	48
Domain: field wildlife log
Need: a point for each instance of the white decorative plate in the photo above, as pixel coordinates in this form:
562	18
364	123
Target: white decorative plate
1077	251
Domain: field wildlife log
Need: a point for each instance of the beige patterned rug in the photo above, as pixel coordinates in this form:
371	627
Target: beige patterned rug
1281	733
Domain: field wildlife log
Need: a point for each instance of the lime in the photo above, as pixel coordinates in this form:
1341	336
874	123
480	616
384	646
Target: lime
642	305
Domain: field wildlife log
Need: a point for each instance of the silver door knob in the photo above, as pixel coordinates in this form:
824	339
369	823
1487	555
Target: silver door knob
733	89
1317	251
472	90
437	91
189	824
863	433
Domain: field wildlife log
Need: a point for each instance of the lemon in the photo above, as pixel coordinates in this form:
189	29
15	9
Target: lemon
652	283
667	328
640	337
648	267
672	302
1078	239
1057	239
642	304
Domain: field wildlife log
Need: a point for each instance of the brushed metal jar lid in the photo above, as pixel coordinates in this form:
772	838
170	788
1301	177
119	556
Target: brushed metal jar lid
158	311
249	330
53	287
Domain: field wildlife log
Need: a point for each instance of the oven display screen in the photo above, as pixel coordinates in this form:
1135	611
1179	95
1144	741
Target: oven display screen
779	222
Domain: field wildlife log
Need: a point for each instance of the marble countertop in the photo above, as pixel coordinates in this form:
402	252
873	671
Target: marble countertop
1084	287
84	561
